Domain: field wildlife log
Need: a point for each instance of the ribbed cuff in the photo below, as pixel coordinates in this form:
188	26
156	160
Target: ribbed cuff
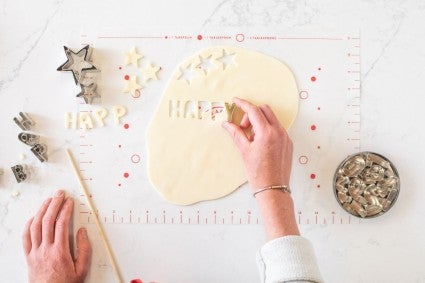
286	259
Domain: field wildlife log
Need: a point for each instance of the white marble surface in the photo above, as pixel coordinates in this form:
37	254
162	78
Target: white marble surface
387	249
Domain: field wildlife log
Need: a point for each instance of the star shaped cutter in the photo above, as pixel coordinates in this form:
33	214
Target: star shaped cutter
77	63
88	92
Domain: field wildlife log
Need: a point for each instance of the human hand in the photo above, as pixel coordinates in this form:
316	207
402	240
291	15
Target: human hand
46	244
266	150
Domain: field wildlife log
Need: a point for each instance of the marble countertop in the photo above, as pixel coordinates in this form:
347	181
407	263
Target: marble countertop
386	249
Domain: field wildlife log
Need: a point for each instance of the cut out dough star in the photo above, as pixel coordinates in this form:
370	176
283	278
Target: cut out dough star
150	72
187	73
206	64
132	57
131	85
227	59
88	92
77	63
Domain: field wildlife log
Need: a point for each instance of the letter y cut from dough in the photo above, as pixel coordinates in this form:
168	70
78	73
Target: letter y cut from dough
190	157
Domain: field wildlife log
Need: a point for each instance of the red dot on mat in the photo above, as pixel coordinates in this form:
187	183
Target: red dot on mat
166	37
312	176
119	146
126	126
126	175
313	79
126	77
318	186
319	69
119	185
318	108
119	67
313	127
318	147
136	281
199	37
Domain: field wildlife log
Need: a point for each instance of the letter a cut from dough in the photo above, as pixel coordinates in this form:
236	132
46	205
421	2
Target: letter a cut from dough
193	160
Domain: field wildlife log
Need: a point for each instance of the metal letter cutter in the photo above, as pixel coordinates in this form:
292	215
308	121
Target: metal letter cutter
40	151
29	139
20	173
24	122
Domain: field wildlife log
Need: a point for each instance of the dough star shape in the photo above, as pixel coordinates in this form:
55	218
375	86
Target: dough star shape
132	57
227	59
150	72
187	74
88	92
191	158
77	63
131	85
206	64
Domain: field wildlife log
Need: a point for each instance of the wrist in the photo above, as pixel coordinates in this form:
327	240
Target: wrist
277	211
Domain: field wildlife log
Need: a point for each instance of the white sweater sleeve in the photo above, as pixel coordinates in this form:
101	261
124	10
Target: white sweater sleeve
288	259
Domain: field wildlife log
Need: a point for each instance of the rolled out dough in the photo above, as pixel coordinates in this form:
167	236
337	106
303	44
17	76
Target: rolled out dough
190	156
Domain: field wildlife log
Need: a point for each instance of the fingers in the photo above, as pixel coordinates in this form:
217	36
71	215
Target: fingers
37	223
238	135
61	234
245	123
84	253
255	115
271	117
26	237
50	217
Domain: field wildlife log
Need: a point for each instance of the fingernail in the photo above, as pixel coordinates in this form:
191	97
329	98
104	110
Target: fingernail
59	193
84	232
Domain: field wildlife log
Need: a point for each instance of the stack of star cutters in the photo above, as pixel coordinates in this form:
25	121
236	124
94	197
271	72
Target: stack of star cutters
79	63
25	122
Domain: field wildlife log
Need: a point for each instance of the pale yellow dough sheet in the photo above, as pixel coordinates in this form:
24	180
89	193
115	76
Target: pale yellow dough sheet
192	158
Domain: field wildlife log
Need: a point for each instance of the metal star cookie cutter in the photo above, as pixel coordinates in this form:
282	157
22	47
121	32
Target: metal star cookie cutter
40	151
78	63
24	122
28	139
20	172
88	92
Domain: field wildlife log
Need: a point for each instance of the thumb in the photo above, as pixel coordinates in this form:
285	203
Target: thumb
238	135
82	262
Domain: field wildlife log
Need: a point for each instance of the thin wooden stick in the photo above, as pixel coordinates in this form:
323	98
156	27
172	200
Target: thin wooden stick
93	209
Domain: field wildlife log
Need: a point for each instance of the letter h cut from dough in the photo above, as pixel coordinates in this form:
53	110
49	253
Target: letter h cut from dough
70	120
174	109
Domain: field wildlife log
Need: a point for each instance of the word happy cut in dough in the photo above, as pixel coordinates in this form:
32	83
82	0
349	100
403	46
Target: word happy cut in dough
191	158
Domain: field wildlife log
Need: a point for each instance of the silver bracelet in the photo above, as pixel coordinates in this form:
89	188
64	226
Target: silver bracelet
283	188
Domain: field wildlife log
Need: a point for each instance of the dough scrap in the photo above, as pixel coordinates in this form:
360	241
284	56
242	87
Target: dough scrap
131	85
190	156
150	72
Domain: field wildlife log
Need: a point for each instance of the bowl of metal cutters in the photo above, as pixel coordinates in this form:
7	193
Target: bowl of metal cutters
366	184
